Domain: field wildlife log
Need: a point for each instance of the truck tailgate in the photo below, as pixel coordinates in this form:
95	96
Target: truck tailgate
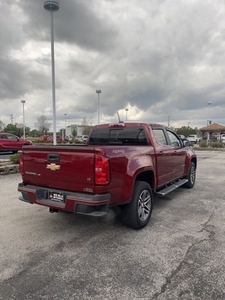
68	168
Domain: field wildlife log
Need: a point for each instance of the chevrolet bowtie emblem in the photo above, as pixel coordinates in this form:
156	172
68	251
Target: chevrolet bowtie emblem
53	167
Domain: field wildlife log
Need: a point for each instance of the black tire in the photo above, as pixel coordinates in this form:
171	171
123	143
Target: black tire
191	176
137	213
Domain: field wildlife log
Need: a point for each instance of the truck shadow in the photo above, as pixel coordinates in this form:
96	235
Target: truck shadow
112	219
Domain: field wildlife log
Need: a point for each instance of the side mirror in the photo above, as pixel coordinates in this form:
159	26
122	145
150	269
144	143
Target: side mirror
186	143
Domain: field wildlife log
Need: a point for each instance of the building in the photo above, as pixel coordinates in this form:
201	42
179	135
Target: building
77	129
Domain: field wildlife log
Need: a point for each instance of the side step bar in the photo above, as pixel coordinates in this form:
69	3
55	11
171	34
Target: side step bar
172	187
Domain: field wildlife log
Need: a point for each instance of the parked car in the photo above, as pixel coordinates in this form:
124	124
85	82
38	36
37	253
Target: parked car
193	138
81	138
11	142
222	138
85	138
44	138
58	139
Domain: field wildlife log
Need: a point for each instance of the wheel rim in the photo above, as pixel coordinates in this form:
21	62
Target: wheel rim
144	205
192	175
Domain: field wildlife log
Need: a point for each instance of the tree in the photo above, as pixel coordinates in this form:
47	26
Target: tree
14	129
186	131
74	133
43	124
87	130
34	133
1	125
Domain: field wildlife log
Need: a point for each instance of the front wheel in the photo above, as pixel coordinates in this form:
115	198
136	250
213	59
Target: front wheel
137	213
191	176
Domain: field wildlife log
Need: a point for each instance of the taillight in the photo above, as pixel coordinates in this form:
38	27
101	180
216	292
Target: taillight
102	170
21	165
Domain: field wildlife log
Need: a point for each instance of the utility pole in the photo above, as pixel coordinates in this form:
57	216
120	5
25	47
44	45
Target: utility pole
11	117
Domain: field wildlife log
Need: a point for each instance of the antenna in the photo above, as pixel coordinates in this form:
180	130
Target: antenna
119	117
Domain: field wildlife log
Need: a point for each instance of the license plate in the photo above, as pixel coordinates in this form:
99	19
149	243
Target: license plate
58	197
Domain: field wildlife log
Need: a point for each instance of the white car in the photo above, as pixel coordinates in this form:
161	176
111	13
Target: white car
79	138
193	138
222	138
85	138
82	138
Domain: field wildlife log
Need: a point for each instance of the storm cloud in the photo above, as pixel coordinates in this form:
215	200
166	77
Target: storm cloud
159	59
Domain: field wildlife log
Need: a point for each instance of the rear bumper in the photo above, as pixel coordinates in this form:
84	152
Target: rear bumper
72	202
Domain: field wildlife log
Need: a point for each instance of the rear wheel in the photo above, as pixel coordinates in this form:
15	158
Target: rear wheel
137	213
191	176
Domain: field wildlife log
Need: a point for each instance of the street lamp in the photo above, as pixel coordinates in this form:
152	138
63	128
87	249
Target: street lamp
209	121
98	92
65	120
23	101
126	109
65	125
11	117
52	6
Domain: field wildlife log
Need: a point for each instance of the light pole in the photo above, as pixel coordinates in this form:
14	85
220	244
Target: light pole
35	127
98	92
168	121
11	117
65	120
126	109
23	101
52	6
209	121
65	125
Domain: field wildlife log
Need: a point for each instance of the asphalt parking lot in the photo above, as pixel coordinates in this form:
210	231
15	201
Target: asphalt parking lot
179	255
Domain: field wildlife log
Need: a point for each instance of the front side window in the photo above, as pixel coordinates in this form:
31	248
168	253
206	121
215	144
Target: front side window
12	137
174	140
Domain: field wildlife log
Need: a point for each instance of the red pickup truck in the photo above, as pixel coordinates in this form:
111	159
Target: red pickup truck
123	164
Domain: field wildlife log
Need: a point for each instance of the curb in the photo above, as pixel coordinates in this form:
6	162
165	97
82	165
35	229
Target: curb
10	169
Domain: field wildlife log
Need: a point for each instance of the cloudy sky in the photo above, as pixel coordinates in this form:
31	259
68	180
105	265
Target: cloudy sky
161	59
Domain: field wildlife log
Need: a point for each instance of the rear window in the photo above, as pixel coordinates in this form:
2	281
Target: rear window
121	136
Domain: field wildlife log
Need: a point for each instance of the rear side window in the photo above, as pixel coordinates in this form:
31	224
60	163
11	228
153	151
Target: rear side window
159	136
3	136
121	136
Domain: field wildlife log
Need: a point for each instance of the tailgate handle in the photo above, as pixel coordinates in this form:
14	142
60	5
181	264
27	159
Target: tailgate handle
53	157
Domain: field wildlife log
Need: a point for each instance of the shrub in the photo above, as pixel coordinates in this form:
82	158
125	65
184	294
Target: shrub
203	144
34	140
78	142
217	145
15	158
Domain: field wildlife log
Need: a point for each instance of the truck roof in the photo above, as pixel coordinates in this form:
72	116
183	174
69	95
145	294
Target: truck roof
126	124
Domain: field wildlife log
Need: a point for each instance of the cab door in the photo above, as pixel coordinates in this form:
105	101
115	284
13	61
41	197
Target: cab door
164	157
178	153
